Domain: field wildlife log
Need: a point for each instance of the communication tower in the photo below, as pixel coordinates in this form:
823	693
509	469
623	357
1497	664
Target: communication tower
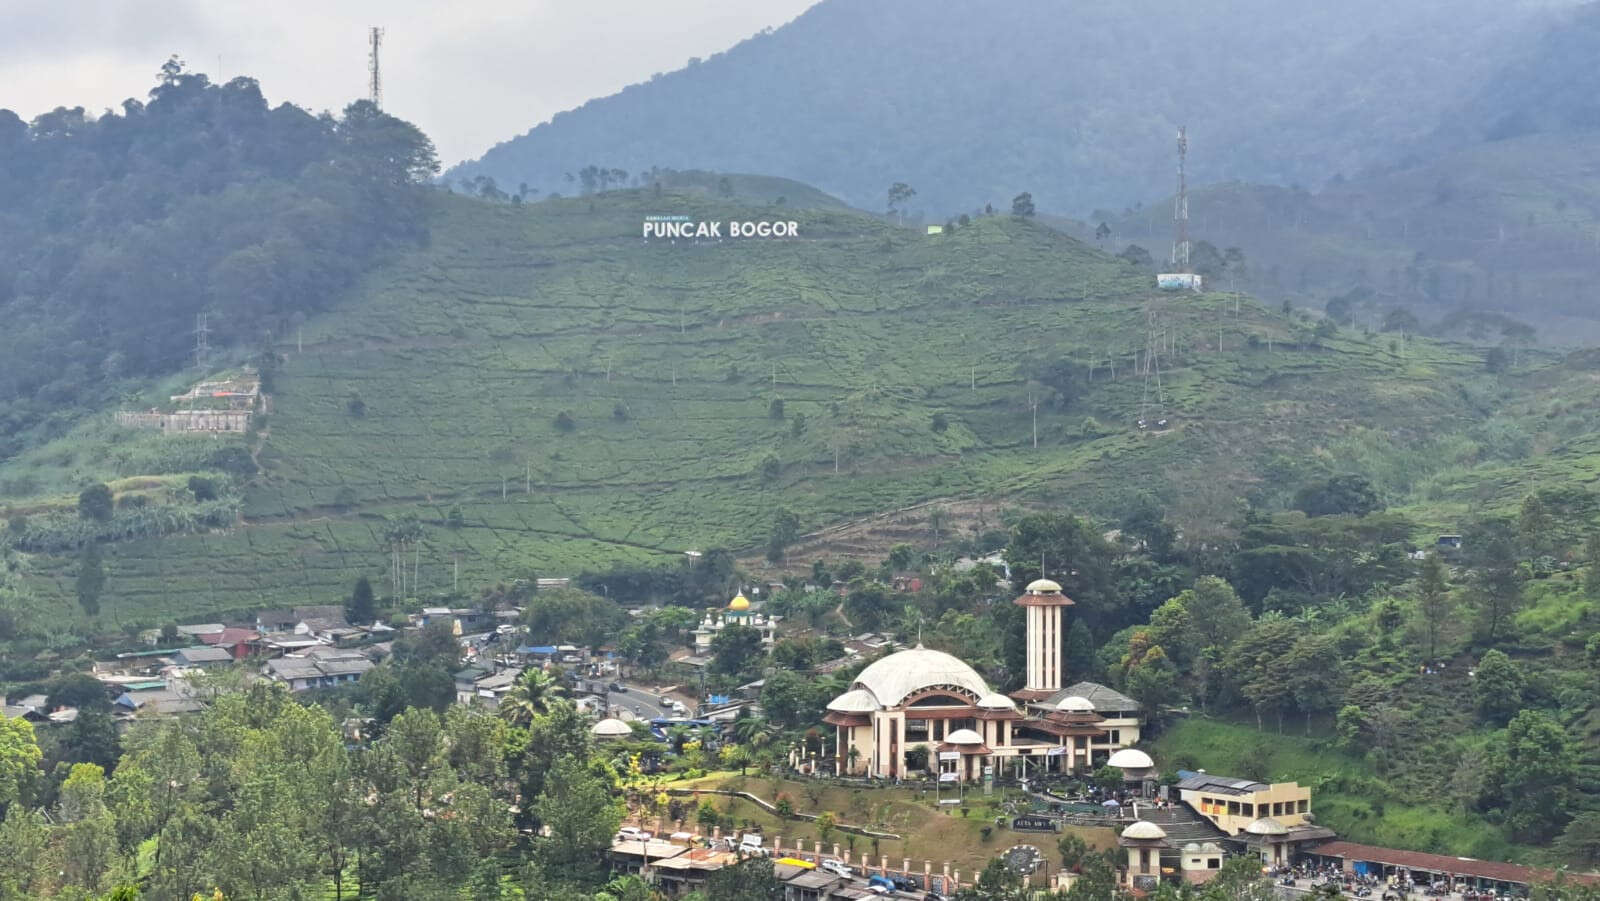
375	82
1180	209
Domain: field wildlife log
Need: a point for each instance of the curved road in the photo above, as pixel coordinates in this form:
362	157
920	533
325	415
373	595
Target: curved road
642	704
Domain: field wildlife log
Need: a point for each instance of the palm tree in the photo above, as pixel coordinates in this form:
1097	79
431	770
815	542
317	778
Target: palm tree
753	731
676	736
530	697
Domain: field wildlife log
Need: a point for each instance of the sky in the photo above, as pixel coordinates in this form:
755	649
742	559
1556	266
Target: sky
470	73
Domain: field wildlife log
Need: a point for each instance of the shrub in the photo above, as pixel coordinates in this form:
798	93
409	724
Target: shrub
940	422
620	412
775	409
565	422
204	489
355	405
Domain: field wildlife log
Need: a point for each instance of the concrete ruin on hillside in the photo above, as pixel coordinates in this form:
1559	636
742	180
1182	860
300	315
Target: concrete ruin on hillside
218	405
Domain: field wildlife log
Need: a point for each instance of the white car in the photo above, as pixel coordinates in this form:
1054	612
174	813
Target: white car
879	889
836	867
632	834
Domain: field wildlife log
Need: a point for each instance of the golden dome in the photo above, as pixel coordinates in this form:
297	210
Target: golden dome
739	602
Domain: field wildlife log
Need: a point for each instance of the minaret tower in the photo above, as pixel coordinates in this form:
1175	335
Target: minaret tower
1044	602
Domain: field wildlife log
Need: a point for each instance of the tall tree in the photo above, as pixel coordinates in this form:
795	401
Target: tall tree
1433	603
1497	686
580	810
361	608
19	759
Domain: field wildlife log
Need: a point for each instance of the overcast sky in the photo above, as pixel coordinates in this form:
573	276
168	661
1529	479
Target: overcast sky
469	73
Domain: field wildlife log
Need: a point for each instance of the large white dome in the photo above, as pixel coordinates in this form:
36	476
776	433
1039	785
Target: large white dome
964	737
1131	759
904	672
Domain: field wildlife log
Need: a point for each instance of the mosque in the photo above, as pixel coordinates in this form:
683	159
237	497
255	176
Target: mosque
929	699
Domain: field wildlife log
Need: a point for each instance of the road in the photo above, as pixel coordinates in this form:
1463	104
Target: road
641	704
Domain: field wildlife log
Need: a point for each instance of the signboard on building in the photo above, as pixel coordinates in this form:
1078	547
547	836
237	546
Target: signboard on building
949	777
949	755
1178	281
1033	824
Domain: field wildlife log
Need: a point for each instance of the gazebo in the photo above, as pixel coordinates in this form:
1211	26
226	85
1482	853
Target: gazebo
610	729
971	750
1136	766
1144	842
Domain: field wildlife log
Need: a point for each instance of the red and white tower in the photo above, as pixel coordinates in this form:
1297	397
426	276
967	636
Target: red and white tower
1045	603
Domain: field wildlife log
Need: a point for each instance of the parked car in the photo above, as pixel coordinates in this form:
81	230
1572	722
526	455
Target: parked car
880	885
632	834
618	686
837	868
906	883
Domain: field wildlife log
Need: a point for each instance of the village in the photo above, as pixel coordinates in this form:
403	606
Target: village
912	716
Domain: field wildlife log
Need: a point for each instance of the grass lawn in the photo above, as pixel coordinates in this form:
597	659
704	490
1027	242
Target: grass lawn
927	831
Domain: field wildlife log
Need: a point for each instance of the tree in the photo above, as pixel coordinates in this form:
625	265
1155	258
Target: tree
1137	256
899	193
1433	602
1497	688
1102	232
1351	494
775	409
530	697
1218	615
564	422
997	882
826	825
735	650
751	879
1591	578
1022	205
361	609
1078	653
1579	843
580	809
785	529
95	502
1073	850
1531	774
19	759
91	579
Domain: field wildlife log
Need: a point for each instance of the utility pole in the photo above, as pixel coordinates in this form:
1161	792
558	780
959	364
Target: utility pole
202	345
375	79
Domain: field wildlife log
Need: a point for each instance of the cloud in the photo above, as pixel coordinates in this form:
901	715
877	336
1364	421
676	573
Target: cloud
469	74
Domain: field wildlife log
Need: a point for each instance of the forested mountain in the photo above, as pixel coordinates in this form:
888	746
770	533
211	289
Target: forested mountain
972	102
116	230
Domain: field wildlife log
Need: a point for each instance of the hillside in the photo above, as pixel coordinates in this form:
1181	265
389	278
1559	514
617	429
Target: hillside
440	384
971	102
1478	229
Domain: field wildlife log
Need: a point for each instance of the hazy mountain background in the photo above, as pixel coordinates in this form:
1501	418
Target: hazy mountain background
973	102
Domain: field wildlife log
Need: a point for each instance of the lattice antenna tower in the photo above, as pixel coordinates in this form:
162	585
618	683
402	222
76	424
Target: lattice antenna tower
202	343
375	81
1180	208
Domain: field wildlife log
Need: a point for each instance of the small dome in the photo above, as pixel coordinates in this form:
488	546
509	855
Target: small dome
857	700
1266	826
1131	759
1044	586
1191	848
610	728
1144	829
739	602
964	737
996	701
1075	704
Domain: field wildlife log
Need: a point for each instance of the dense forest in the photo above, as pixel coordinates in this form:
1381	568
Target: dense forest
116	230
972	103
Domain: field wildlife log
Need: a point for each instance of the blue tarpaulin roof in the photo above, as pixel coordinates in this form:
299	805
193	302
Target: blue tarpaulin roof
545	649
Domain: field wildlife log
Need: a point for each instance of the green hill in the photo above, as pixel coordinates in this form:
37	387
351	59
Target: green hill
582	397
